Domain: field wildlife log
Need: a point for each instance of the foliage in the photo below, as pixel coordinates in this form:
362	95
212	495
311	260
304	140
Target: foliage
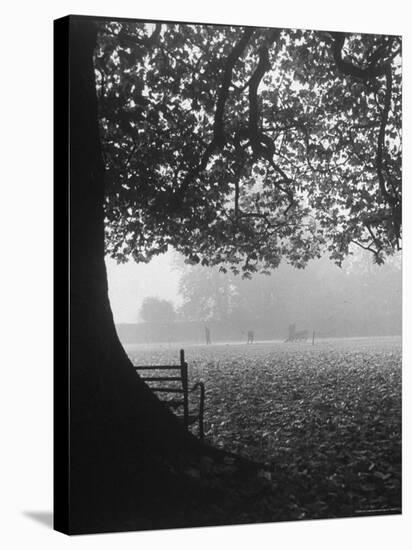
207	294
359	298
325	419
157	310
248	145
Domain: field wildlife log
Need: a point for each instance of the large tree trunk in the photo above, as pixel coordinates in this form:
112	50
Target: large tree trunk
116	423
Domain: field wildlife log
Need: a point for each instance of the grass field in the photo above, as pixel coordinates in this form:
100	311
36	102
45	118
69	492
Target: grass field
325	419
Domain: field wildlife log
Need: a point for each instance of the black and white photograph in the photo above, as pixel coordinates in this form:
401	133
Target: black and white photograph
234	259
205	298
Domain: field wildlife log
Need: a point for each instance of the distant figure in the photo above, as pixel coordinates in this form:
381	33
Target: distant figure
292	331
301	335
250	336
207	334
296	335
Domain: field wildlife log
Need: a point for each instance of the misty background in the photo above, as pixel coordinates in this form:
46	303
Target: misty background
170	301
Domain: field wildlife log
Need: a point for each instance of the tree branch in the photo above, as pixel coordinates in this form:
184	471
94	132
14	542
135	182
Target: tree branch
218	127
154	36
371	71
218	139
262	145
381	138
348	68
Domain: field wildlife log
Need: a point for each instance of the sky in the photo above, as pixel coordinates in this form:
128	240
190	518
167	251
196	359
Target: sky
130	283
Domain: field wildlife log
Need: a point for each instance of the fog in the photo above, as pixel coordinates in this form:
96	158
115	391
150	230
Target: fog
130	283
359	299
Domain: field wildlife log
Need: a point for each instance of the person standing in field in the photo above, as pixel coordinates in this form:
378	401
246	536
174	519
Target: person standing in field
207	334
250	336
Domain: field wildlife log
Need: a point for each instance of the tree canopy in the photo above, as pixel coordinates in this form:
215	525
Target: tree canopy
246	146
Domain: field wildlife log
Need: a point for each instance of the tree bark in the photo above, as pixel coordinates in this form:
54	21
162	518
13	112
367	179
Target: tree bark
116	422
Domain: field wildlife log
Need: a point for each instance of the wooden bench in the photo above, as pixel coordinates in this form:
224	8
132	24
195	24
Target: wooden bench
176	384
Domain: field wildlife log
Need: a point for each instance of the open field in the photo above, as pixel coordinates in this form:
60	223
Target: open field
325	419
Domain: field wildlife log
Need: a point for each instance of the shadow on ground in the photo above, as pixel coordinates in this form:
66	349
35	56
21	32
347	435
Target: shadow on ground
44	518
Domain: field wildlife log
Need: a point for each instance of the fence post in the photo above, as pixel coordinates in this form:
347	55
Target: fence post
183	368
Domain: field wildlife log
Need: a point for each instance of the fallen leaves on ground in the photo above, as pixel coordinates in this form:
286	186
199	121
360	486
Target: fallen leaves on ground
325	420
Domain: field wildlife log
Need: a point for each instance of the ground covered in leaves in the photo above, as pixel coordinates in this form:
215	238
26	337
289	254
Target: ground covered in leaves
324	419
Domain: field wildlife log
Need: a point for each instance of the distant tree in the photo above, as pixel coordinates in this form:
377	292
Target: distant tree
208	295
363	295
156	310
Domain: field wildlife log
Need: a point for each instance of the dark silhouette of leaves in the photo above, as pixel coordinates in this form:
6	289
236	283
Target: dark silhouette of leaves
246	146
